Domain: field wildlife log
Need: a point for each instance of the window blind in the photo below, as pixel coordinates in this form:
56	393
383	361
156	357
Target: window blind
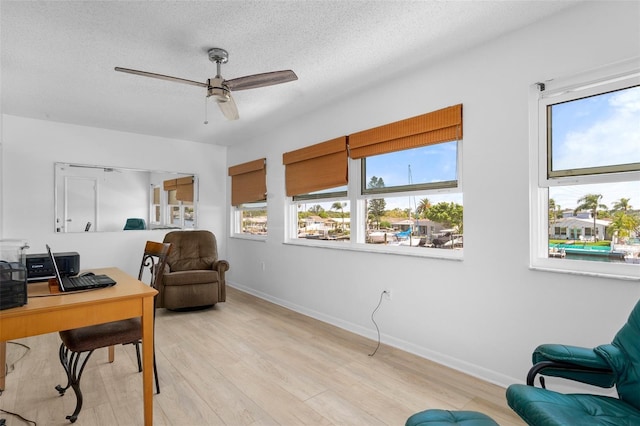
316	167
435	127
170	184
248	182
183	187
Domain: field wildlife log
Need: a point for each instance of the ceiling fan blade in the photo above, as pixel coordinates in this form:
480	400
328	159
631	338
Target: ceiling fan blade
229	109
162	77
261	80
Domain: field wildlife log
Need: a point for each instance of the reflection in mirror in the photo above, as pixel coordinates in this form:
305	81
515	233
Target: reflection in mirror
90	198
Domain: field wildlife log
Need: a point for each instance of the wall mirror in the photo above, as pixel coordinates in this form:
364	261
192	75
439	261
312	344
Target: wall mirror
91	198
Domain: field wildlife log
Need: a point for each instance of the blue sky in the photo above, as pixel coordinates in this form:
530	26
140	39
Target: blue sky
596	131
433	163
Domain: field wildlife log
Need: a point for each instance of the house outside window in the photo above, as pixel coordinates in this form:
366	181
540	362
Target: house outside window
585	173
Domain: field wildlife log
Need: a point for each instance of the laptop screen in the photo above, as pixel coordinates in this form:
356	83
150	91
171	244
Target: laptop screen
55	268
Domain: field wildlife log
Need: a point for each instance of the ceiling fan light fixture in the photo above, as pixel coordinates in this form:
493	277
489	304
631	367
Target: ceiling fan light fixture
219	94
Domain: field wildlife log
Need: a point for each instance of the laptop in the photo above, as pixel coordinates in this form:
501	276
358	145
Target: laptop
79	282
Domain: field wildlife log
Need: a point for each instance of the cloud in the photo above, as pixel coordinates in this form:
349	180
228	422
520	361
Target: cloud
610	136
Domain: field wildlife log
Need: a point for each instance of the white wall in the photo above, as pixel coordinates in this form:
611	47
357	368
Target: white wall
486	314
483	315
30	149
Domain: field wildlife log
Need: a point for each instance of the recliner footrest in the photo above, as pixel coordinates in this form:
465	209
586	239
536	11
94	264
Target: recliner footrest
436	417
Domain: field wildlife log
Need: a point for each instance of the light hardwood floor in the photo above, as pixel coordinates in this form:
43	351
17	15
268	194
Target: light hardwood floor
246	362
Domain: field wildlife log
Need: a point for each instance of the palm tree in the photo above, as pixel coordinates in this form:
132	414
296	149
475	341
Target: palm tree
622	205
339	206
591	202
376	206
553	210
423	207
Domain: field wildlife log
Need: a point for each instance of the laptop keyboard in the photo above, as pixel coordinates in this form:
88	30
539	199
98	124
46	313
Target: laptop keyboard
79	282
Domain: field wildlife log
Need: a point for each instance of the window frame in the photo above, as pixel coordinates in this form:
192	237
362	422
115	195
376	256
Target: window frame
541	95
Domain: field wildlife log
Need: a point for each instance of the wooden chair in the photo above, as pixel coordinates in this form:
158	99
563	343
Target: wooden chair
85	340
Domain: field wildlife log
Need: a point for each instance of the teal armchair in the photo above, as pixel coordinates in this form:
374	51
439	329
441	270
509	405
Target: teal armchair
616	364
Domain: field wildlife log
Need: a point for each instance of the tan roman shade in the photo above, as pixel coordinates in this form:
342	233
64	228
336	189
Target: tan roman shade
170	184
248	182
316	167
183	187
435	127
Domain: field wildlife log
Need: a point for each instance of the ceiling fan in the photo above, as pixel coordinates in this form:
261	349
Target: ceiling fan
220	89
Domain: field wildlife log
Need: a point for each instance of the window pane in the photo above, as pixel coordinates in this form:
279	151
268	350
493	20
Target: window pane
416	221
324	220
175	215
253	217
339	191
171	197
595	222
189	215
596	131
425	165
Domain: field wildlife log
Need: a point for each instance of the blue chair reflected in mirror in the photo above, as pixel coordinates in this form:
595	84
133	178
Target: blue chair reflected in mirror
135	223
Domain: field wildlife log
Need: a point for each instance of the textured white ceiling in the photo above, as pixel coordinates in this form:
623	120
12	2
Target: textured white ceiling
58	57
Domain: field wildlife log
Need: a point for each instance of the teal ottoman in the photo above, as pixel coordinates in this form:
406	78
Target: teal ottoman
450	418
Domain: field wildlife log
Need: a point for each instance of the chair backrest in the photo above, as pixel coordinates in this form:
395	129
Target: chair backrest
134	223
627	364
154	259
192	250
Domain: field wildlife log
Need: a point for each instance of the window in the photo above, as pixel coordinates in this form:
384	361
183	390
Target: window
251	218
410	208
156	206
249	199
172	204
585	173
403	191
179	212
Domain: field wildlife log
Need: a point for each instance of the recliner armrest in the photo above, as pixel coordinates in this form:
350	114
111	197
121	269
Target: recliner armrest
585	357
576	363
221	265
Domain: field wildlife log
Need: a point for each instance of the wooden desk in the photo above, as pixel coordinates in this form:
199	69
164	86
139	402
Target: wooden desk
129	298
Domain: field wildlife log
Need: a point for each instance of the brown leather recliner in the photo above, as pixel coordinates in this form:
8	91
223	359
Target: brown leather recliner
193	276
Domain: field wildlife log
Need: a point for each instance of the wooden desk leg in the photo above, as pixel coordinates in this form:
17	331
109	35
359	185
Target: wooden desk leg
147	359
3	363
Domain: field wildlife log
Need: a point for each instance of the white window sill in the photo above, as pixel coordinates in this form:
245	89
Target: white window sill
430	253
621	271
250	237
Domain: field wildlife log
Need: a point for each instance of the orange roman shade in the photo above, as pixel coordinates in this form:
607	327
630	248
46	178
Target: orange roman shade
248	182
183	187
435	127
316	167
170	184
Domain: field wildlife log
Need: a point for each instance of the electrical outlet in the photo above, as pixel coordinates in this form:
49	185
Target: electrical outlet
386	293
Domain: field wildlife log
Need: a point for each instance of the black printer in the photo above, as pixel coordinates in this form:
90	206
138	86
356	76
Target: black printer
39	267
